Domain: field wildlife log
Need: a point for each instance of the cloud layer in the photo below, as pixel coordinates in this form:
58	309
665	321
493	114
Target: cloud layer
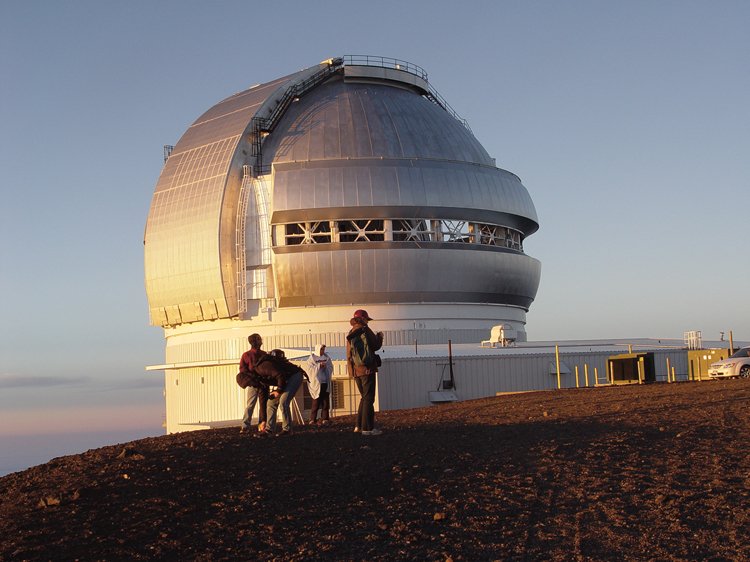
28	381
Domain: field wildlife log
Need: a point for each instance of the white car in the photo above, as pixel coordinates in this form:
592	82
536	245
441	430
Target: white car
737	365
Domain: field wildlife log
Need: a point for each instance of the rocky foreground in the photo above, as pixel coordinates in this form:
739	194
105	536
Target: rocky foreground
656	472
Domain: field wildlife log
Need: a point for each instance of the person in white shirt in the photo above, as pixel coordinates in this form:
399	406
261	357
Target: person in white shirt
319	369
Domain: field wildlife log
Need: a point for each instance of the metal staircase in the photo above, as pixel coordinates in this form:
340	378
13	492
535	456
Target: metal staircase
263	126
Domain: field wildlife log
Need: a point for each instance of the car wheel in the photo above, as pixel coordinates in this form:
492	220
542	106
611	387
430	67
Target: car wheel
745	372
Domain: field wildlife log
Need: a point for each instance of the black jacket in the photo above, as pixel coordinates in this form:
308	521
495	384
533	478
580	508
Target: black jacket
273	371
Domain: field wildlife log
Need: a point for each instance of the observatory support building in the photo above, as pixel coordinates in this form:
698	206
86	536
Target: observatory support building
350	184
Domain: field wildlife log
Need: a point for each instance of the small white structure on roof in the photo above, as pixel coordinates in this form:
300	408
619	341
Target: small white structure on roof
504	334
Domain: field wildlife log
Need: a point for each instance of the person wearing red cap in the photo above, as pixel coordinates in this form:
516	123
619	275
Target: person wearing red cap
362	364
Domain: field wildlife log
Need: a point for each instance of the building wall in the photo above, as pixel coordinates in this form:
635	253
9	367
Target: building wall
405	383
199	397
204	397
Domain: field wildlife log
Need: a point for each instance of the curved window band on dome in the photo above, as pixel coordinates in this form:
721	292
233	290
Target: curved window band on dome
399	230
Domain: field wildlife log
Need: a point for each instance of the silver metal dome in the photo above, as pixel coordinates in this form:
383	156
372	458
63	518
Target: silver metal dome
362	185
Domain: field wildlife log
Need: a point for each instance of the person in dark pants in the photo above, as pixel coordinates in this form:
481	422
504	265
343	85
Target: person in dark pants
362	364
247	364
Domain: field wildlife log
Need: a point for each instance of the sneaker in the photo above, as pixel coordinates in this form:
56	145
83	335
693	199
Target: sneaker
284	432
372	432
244	429
356	429
324	422
312	422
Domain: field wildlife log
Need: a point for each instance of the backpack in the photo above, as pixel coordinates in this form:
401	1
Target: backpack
244	379
363	358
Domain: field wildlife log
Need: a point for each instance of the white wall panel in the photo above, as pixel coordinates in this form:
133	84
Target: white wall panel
202	397
405	383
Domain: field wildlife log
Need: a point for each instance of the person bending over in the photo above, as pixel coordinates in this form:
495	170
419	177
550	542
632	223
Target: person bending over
274	369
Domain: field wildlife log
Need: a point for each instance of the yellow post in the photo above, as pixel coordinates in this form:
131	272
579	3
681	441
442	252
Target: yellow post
669	379
611	373
557	361
731	343
674	378
577	385
586	373
630	348
640	370
596	376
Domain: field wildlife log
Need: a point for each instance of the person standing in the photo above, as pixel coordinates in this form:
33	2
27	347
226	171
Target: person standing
255	388
362	364
319	369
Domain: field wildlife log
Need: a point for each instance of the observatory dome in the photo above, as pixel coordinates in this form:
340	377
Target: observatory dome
348	184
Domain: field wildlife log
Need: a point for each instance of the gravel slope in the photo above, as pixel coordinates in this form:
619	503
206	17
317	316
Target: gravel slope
655	472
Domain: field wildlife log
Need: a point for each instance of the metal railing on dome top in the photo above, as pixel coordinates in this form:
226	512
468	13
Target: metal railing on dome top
405	66
385	62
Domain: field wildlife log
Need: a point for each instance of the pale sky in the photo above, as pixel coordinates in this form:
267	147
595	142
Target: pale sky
628	122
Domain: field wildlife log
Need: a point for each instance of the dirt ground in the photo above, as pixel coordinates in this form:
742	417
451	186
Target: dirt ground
654	472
